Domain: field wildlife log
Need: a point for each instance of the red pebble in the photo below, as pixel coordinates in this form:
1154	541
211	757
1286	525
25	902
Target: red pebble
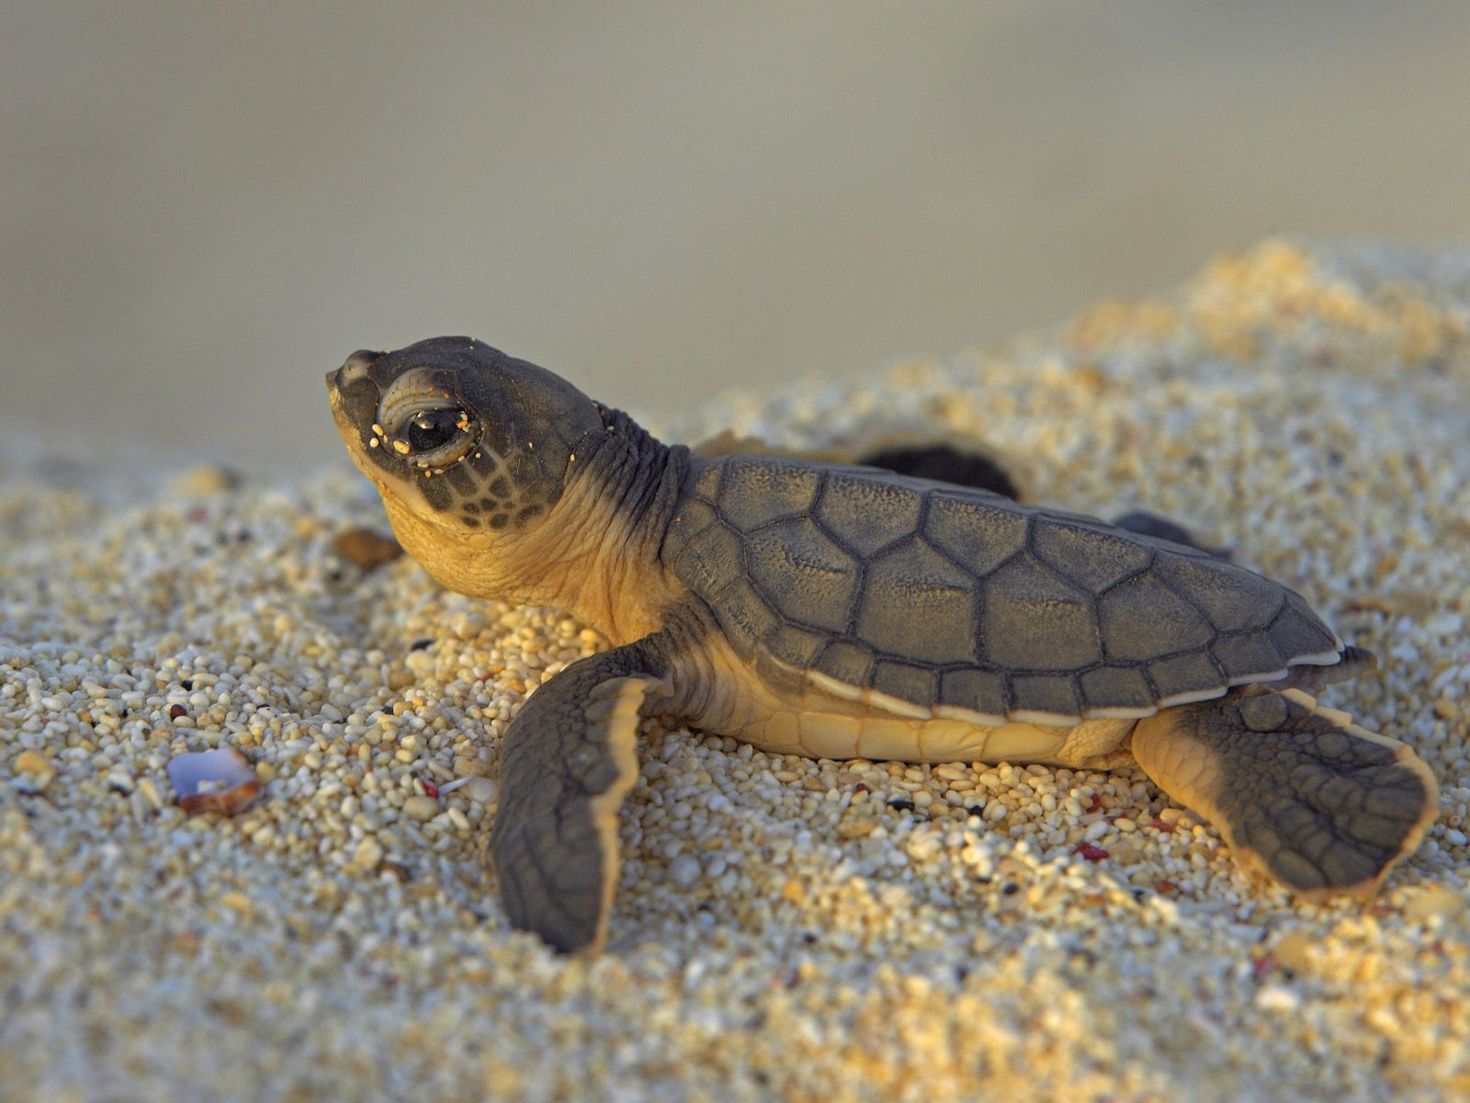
430	789
1096	805
1090	852
1160	825
1260	966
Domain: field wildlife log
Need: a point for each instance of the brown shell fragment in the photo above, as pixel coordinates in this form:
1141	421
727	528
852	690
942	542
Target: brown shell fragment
213	781
365	548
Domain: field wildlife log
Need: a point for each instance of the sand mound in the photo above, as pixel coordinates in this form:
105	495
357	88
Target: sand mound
785	928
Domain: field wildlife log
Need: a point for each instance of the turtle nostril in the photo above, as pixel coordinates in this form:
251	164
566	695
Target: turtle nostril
355	368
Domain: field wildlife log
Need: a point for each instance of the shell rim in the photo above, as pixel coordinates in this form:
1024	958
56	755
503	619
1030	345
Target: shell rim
896	706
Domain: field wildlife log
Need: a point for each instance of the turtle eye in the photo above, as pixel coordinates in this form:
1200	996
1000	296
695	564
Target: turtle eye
429	430
435	436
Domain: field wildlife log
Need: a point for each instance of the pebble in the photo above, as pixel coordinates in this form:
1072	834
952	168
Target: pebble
1277	998
238	903
684	870
150	793
421	808
204	481
29	762
368	854
480	789
365	548
1435	901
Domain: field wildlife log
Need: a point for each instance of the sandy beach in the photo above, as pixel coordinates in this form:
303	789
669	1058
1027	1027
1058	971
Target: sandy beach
785	928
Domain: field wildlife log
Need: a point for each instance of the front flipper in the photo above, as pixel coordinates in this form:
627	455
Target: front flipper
566	764
1300	792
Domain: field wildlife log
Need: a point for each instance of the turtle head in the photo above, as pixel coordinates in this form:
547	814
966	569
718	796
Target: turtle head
461	440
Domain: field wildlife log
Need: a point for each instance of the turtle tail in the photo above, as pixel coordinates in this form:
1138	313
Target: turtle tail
1353	662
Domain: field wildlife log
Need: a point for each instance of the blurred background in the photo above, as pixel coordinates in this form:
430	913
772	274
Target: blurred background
203	207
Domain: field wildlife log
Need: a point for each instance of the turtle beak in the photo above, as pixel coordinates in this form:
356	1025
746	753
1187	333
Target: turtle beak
354	398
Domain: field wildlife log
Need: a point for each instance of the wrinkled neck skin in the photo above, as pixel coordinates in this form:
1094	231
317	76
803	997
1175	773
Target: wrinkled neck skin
596	553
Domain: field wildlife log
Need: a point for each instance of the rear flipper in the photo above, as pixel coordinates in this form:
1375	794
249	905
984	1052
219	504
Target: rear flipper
1300	792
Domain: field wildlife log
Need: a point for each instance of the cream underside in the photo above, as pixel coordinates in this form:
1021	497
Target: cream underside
863	724
822	734
835	720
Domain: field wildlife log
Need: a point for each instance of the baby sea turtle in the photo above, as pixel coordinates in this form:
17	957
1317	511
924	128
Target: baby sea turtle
843	611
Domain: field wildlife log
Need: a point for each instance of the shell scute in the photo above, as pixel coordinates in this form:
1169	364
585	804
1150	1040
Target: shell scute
706	560
1044	693
748	618
918	605
1248	653
1297	631
706	482
757	492
864	513
798	647
1116	687
906	681
982	691
1194	672
805	574
1142	619
1035	620
979	533
846	662
694	517
1231	598
1089	555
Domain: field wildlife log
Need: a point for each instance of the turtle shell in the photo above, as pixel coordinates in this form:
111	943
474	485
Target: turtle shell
935	597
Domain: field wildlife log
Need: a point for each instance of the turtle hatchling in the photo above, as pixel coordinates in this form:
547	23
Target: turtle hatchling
848	612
